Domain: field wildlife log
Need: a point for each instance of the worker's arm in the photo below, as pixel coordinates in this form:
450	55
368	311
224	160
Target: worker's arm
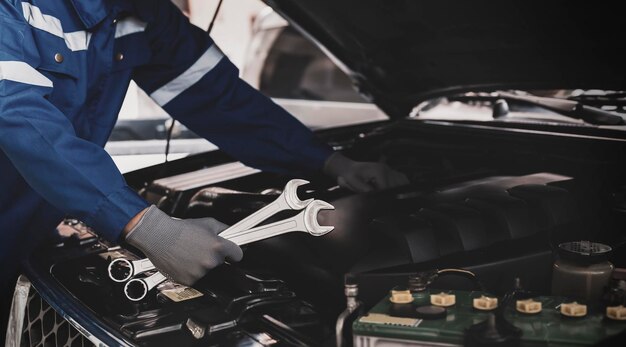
74	175
197	85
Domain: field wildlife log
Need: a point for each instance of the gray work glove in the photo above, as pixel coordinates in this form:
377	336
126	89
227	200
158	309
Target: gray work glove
183	250
362	177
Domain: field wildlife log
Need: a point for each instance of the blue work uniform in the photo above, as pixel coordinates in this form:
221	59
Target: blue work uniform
65	66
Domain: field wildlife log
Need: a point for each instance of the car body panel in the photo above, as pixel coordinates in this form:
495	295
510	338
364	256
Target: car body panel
403	52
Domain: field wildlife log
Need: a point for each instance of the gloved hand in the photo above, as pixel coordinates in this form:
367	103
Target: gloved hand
362	177
182	249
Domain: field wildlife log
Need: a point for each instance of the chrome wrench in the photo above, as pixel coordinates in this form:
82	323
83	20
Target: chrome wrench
122	269
305	221
137	288
287	200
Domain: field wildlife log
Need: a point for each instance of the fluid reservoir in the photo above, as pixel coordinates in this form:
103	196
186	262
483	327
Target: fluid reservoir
581	270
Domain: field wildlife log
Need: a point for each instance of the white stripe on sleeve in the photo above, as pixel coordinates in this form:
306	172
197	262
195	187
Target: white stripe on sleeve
19	71
75	41
209	59
129	25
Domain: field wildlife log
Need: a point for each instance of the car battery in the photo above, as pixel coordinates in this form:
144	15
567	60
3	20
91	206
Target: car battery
392	324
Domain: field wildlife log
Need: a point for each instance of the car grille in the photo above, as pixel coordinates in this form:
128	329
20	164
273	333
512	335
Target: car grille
44	327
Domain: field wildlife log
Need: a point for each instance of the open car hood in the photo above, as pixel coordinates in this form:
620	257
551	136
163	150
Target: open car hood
402	52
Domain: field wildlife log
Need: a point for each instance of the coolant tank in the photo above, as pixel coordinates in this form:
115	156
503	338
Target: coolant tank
581	270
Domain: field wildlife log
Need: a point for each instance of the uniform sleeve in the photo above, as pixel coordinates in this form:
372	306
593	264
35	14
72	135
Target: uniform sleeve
74	175
197	85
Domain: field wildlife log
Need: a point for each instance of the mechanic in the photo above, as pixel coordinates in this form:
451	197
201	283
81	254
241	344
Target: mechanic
65	67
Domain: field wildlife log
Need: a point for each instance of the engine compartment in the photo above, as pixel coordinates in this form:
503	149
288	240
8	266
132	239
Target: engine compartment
492	201
485	199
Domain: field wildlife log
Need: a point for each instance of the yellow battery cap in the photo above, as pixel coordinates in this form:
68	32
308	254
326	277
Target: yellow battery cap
573	309
528	306
616	312
443	299
485	303
401	295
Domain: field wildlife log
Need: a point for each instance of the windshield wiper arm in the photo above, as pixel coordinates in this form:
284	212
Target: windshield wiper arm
615	99
568	108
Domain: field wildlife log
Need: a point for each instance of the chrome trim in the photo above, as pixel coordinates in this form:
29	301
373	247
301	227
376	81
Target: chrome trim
84	332
18	312
377	341
205	177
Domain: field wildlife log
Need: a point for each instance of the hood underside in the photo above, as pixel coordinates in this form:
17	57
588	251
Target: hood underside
404	51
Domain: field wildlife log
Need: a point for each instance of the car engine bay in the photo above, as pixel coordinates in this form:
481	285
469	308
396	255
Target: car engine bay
491	201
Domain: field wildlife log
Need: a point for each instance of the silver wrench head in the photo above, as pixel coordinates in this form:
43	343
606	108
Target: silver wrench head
136	289
120	270
310	218
291	194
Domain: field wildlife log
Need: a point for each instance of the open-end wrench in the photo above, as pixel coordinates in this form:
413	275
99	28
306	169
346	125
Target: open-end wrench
305	221
122	269
287	200
137	288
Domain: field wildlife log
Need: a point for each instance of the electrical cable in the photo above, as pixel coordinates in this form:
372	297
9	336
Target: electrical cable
217	11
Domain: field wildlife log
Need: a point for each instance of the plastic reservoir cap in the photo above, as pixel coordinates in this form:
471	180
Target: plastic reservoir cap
431	312
528	306
584	251
573	309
